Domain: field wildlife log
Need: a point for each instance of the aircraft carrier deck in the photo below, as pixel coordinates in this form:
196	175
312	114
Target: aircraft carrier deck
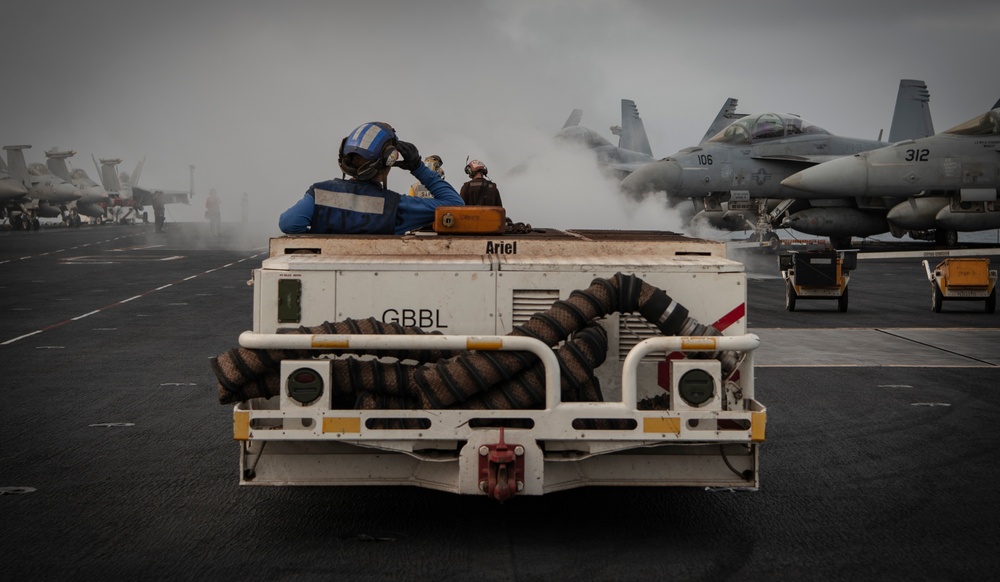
118	462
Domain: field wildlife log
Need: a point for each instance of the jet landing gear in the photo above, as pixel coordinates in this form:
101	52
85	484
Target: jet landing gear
946	237
769	240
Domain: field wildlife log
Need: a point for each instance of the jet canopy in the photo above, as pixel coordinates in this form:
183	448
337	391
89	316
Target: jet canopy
37	169
986	124
763	126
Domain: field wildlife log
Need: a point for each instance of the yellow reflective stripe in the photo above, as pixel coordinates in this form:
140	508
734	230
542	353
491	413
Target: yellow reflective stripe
698	343
348	424
758	422
341	343
660	424
478	344
241	425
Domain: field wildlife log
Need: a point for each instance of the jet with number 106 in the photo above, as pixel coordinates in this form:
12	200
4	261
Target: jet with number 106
735	177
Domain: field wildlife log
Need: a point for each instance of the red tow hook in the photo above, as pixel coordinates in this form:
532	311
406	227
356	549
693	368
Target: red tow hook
501	469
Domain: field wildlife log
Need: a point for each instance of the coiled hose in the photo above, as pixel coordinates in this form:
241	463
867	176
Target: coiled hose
479	379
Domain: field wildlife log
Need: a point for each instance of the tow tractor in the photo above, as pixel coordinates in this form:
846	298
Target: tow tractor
962	279
817	275
496	364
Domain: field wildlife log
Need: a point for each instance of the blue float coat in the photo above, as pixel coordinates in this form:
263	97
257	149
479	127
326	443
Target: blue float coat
413	213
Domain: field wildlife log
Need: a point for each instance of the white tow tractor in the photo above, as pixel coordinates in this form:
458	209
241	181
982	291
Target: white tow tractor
333	409
962	279
817	275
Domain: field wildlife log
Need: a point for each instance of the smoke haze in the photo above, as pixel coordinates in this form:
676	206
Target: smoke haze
257	95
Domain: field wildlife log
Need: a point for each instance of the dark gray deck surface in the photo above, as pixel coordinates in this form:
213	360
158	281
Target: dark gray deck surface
880	464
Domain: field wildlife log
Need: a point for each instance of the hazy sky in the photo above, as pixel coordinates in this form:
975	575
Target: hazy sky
258	94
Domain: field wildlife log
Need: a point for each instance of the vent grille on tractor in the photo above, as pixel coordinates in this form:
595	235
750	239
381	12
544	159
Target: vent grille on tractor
632	329
528	302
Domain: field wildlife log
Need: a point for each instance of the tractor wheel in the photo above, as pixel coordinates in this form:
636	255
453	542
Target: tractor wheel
842	302
936	298
790	296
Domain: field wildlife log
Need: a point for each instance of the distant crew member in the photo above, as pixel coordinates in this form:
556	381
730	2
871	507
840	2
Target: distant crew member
213	212
435	163
159	210
364	204
480	190
244	211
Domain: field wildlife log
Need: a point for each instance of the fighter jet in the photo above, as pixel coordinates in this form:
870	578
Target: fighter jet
93	199
632	151
47	194
127	198
935	187
735	176
10	189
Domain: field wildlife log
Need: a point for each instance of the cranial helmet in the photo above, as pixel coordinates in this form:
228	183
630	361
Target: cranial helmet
375	142
475	166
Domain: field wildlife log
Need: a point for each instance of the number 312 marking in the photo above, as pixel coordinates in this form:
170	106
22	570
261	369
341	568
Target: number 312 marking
917	155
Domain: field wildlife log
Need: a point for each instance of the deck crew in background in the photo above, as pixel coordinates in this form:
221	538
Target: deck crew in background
480	190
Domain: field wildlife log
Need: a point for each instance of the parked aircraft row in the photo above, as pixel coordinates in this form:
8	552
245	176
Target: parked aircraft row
767	170
54	190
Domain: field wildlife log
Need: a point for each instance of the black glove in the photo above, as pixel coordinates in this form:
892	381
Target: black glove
410	156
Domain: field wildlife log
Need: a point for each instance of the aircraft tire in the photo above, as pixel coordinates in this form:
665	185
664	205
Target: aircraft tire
991	301
936	298
842	302
946	237
773	241
790	296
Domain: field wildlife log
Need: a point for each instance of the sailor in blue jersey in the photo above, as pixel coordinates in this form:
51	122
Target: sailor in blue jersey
363	204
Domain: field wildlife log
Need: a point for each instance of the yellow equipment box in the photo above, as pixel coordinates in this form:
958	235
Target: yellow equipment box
965	272
470	219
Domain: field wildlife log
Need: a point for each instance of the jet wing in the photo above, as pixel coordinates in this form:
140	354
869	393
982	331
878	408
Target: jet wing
628	167
808	159
143	196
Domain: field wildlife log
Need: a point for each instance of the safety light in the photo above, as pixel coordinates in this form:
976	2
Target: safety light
696	387
695	384
305	386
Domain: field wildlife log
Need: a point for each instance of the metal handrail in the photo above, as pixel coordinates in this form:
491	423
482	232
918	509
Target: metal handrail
736	343
281	341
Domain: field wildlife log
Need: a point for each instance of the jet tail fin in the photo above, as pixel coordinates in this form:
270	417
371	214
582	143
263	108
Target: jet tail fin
56	161
574	118
15	161
632	133
912	116
109	175
997	104
138	170
726	116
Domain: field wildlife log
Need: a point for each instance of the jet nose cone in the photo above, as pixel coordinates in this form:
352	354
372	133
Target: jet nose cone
660	176
65	193
12	189
841	177
93	195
